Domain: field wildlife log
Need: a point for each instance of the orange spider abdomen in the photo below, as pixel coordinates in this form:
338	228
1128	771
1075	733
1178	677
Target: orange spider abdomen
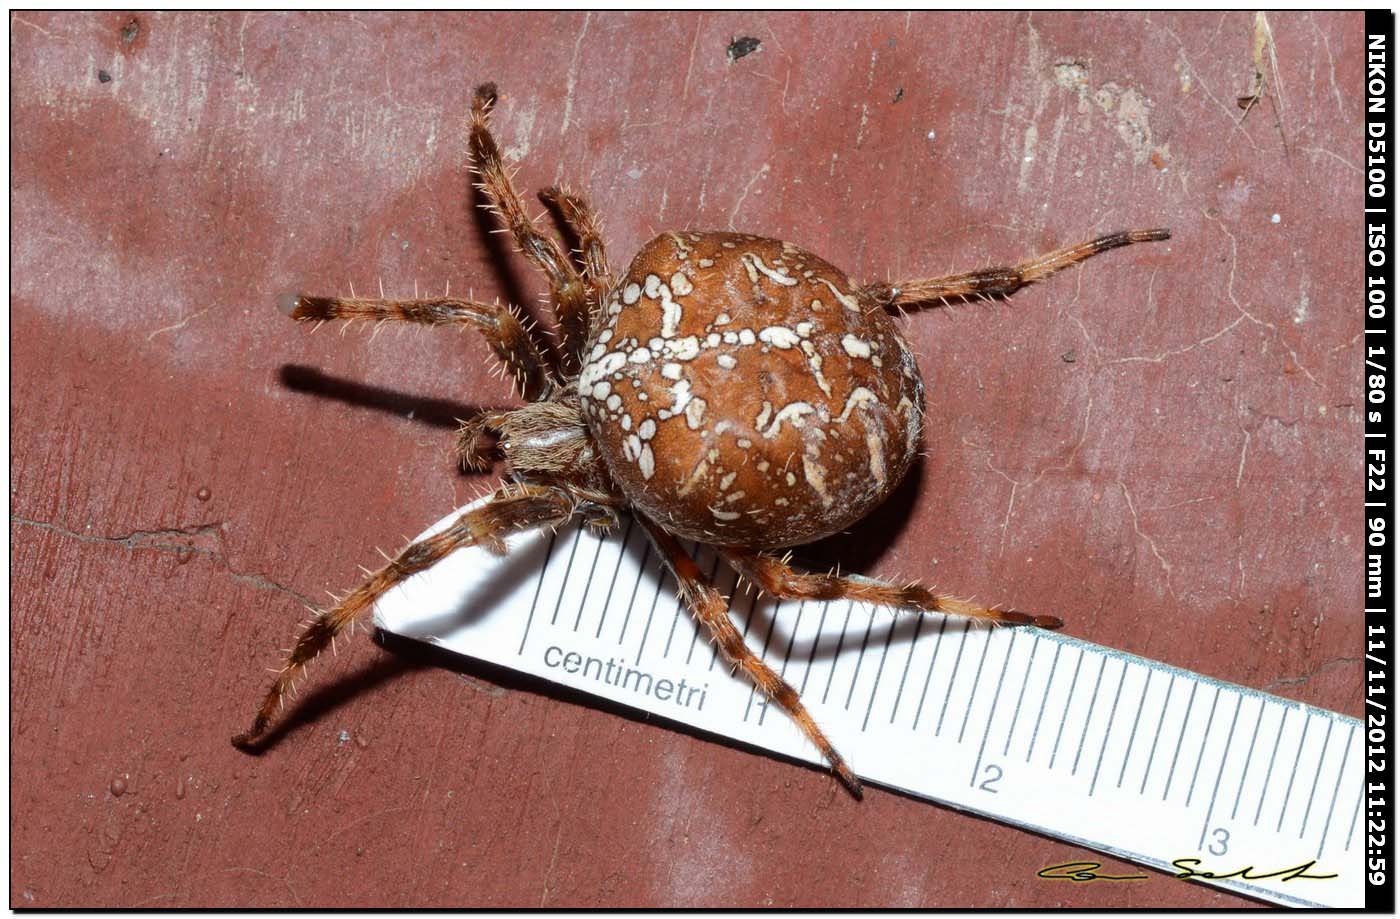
742	392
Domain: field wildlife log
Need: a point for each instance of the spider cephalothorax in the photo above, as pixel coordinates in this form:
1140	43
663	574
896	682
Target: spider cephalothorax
731	389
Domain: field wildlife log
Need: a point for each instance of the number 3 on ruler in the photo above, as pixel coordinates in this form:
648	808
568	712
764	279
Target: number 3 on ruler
990	776
1222	841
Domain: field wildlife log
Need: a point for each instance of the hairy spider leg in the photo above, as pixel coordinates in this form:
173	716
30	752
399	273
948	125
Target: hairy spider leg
579	216
709	607
568	290
510	510
781	580
1000	282
502	328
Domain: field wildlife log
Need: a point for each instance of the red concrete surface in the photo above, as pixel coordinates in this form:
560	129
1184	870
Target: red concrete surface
1161	447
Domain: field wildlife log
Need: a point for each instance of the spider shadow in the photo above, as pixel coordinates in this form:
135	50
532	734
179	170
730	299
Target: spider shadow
446	414
857	548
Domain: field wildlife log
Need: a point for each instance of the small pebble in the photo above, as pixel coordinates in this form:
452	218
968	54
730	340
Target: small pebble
103	76
203	494
1275	219
344	736
118	787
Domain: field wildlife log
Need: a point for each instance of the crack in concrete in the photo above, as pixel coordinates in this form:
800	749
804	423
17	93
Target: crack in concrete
148	540
1322	668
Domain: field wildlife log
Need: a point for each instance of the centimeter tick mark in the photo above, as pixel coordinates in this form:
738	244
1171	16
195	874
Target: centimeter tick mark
1122	770
1205	739
952	677
1341	776
913	645
1161	717
923	696
1185	720
836	657
1089	716
787	655
1112	711
564	584
592	569
1025	681
855	677
992	713
1205	825
1293	774
612	582
879	670
1044	700
1317	774
1258	720
976	681
1268	774
1064	716
535	601
812	654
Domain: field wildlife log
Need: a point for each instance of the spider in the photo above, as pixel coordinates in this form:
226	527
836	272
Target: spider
729	389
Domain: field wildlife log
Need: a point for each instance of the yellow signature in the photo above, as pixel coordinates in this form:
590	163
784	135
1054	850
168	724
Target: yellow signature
1080	872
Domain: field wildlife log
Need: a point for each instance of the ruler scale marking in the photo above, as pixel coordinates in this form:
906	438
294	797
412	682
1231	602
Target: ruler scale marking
879	671
1043	797
1025	681
1268	774
1089	716
1044	701
1205	739
992	714
1185	720
1108	729
1225	755
1132	735
568	568
913	645
538	584
923	696
1244	773
952	677
1317	774
976	681
1069	699
1293	773
607	601
1341	776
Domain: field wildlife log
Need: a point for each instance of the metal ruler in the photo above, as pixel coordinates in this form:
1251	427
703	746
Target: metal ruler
1110	751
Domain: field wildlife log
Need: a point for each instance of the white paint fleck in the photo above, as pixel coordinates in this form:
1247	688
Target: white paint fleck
860	396
631	294
671	371
773	275
726	361
640	356
792	413
647	429
680	284
646	461
695	413
845	300
855	347
779	336
746	337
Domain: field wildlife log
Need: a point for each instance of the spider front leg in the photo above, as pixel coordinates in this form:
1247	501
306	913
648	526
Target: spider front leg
709	607
503	330
781	580
999	282
567	287
579	216
510	510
